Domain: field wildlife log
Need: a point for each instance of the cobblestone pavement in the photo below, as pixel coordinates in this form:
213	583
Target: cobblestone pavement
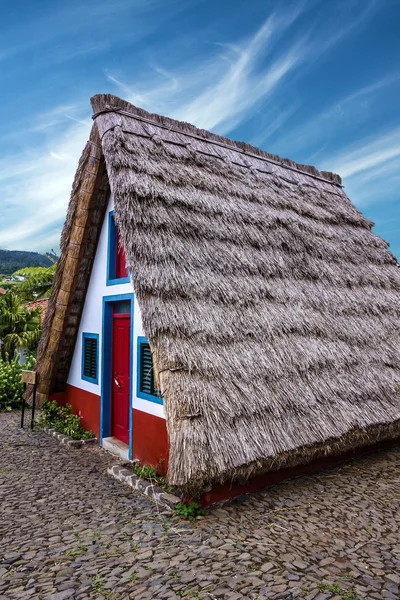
68	530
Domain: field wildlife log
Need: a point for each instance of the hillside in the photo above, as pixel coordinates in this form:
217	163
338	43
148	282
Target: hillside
12	260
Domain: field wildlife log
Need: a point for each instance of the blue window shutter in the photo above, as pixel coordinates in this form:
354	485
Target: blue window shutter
147	385
90	357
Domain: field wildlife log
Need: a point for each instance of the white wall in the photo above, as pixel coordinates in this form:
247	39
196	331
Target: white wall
91	322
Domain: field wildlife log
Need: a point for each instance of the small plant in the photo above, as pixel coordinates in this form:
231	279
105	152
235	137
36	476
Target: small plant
132	577
190	510
166	527
336	589
146	471
149	472
62	419
193	594
97	584
175	575
75	553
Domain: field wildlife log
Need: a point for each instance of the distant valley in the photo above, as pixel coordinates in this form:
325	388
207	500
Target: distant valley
12	260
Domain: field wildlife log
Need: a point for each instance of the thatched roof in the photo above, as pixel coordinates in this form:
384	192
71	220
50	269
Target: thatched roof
270	306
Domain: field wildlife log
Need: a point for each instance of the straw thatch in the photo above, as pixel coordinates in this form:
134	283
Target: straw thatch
271	307
88	202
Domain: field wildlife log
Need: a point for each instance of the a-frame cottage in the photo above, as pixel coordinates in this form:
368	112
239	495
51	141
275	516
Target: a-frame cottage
218	310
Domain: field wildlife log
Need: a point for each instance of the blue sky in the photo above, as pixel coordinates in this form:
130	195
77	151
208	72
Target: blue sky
315	81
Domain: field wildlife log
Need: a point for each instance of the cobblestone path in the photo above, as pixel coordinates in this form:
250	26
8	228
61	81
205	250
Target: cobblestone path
67	530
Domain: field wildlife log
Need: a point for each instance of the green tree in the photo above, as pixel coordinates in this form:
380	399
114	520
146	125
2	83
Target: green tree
37	282
19	326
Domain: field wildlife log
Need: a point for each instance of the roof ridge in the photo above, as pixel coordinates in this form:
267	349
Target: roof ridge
102	103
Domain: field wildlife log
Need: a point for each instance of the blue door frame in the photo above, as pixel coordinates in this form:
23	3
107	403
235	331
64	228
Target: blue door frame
105	399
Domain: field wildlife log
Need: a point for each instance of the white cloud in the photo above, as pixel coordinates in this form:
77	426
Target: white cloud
316	132
370	169
367	155
35	190
220	92
217	93
227	99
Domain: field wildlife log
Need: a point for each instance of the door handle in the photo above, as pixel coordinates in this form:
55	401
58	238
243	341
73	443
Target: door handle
117	383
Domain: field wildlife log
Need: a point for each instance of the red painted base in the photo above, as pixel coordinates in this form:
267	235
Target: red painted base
83	403
221	493
150	446
150	440
149	436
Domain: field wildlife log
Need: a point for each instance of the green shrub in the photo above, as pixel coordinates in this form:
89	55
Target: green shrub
49	413
11	386
190	510
62	419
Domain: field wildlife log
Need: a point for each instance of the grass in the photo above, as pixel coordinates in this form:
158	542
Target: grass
148	472
75	553
193	594
339	591
97	584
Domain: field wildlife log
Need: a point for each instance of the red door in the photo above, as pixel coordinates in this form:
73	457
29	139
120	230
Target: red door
120	377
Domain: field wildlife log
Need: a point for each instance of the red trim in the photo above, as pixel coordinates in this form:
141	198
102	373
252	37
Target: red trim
150	440
150	437
83	403
228	491
151	446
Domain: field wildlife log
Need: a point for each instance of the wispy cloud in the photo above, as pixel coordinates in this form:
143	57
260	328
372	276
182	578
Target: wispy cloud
221	85
277	117
371	172
66	28
316	132
221	91
35	187
368	155
226	100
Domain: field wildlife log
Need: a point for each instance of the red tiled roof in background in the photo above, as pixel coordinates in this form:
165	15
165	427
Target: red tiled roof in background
42	304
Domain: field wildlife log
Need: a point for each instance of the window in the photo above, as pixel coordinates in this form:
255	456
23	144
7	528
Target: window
121	270
117	271
90	357
146	386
